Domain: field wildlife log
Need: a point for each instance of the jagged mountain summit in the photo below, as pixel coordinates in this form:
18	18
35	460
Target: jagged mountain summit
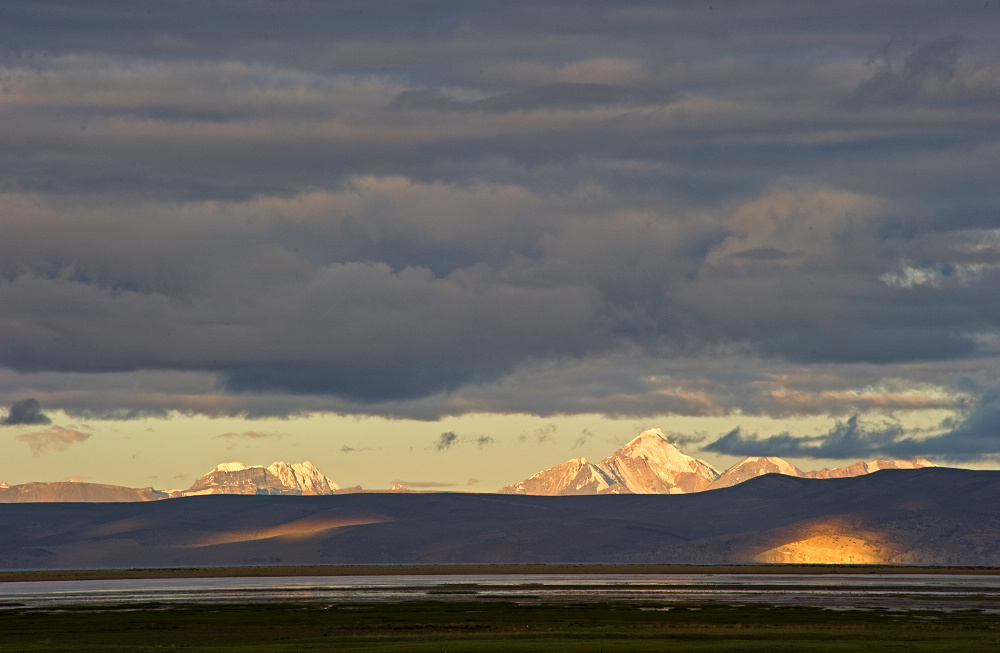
862	467
649	464
753	466
575	476
278	478
652	464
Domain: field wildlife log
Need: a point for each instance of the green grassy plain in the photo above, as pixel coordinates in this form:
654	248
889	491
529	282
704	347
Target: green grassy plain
487	626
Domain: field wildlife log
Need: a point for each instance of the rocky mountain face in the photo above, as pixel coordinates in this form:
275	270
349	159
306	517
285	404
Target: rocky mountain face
576	476
753	466
278	478
651	464
862	467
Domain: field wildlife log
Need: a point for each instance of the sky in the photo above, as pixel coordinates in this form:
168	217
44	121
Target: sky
453	243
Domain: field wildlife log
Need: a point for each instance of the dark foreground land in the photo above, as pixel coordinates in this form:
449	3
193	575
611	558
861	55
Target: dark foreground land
273	571
492	626
930	516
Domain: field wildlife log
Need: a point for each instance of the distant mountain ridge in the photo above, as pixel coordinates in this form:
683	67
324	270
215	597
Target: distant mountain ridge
652	464
73	492
649	464
228	478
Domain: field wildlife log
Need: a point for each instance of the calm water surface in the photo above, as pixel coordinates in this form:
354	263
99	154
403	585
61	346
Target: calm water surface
861	591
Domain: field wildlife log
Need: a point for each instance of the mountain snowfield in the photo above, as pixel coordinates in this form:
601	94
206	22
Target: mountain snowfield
652	464
278	478
753	466
649	464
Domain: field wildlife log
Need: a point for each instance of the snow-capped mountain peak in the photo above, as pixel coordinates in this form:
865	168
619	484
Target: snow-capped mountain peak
285	473
652	464
649	464
782	466
753	466
575	476
278	478
302	476
657	449
916	463
230	467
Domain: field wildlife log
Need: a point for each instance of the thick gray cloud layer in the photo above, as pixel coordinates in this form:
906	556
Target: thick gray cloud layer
400	208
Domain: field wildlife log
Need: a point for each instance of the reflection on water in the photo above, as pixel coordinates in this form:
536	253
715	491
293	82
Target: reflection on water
860	591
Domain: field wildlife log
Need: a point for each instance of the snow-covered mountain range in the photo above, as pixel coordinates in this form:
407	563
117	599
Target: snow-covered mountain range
227	478
649	464
652	464
278	478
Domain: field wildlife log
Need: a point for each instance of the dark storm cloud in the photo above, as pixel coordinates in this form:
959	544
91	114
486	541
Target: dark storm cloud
422	209
848	439
684	440
975	436
25	411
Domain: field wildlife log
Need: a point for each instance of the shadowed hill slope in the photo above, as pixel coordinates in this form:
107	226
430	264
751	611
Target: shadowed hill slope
74	491
924	516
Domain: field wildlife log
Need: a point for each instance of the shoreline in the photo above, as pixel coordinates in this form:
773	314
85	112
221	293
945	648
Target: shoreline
462	569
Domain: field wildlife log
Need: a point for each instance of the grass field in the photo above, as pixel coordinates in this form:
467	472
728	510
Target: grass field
480	626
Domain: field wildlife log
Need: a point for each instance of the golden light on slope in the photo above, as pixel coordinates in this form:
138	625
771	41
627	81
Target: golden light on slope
293	530
832	542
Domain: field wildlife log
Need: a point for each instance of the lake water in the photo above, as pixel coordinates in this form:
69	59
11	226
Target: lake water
847	591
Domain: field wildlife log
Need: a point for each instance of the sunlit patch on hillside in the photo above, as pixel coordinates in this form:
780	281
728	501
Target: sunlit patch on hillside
119	526
299	529
832	542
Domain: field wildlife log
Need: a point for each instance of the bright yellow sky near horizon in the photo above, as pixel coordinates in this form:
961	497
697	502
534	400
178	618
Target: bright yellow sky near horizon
488	452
